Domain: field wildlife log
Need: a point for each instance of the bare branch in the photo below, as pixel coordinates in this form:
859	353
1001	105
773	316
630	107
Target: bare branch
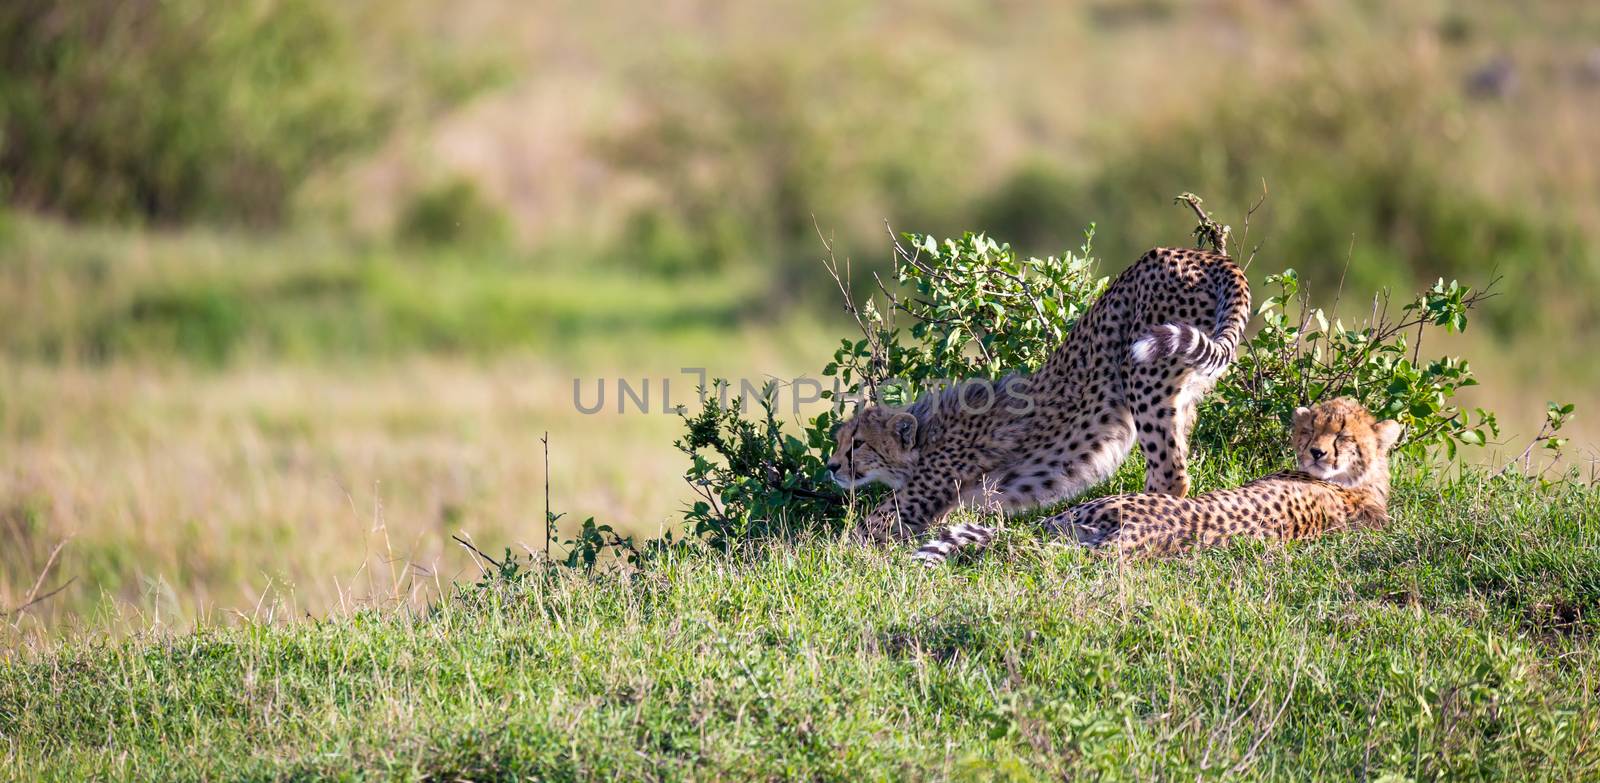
1247	215
41	599
49	561
876	361
549	521
476	551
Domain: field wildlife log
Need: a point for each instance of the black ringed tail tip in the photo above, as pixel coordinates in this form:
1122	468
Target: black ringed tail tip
952	540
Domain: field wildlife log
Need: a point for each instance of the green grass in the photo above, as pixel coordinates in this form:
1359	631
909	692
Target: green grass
1458	643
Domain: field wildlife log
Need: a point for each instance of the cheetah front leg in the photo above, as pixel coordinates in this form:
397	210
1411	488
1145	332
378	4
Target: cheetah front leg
908	512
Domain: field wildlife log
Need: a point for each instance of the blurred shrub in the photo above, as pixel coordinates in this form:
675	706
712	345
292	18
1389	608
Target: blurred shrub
1358	167
665	241
1030	203
203	323
170	110
752	151
454	212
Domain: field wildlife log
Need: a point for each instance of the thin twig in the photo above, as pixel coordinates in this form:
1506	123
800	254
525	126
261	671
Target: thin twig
40	599
1339	293
49	561
548	521
1526	457
478	552
1416	350
876	362
1245	240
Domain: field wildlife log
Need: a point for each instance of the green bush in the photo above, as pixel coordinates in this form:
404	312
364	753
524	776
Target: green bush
179	109
1297	357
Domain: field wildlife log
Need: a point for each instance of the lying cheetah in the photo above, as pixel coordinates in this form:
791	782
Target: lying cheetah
1343	481
1134	367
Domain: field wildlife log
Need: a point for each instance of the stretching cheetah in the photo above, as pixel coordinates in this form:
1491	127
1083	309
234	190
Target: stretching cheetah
1133	367
1343	481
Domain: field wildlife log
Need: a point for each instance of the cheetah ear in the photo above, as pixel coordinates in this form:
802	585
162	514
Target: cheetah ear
1388	434
904	426
1301	414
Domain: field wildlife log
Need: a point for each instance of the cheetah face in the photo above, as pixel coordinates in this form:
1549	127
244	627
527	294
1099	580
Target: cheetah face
877	445
1339	441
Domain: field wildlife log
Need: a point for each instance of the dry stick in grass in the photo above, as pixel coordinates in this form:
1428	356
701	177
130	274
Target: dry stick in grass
33	592
546	441
476	551
41	599
1546	432
1294	679
48	563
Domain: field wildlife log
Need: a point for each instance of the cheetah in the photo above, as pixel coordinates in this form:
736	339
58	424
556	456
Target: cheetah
1132	369
1342	482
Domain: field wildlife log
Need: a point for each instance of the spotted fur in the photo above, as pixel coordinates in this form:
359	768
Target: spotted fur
1342	481
1053	434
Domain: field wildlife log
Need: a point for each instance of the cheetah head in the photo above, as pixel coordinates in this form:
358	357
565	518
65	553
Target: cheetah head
1339	441
877	445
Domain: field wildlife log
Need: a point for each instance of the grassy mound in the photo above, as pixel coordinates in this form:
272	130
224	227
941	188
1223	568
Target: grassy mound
1458	643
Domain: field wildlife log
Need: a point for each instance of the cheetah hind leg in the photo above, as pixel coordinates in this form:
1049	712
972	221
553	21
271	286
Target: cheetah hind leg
1164	429
1197	387
1085	533
1186	410
1166	452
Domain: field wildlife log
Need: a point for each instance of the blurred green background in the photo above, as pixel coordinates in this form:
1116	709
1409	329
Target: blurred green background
292	289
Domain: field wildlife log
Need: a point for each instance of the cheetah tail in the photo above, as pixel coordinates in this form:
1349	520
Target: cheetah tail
1210	353
951	540
1194	347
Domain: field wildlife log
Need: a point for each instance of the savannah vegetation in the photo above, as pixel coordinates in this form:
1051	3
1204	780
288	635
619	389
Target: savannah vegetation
293	291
